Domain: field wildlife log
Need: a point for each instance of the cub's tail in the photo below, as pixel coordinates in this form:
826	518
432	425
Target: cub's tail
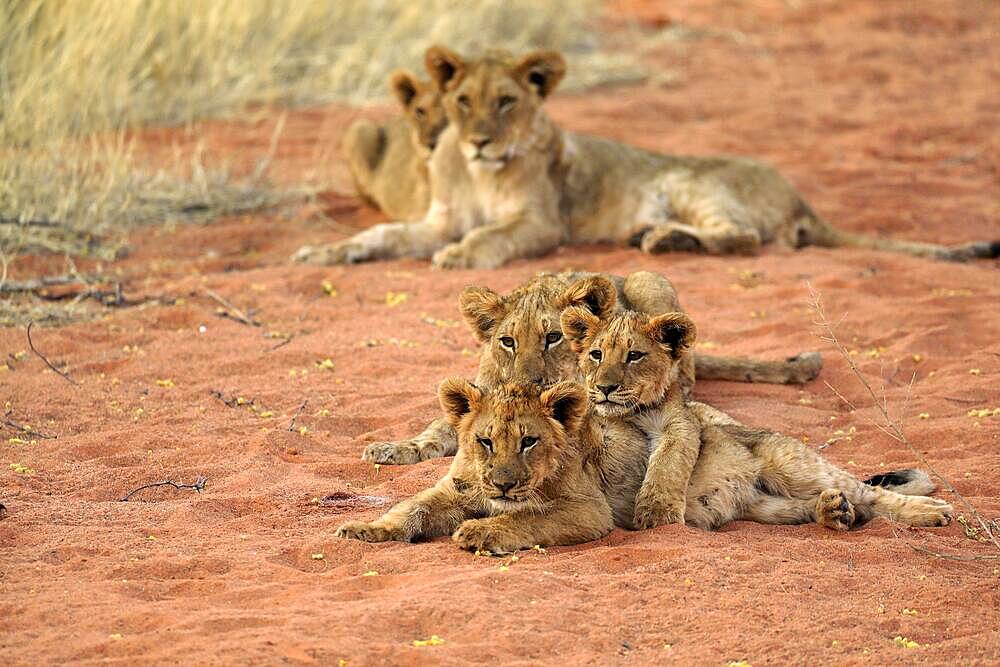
909	482
813	230
794	370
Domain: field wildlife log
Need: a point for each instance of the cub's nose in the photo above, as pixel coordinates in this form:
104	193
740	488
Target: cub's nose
607	389
504	486
479	141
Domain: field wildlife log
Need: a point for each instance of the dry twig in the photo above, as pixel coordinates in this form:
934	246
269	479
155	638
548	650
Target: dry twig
233	312
24	430
890	426
291	424
47	362
197	487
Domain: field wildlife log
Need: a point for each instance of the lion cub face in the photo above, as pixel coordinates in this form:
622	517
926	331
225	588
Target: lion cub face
514	434
493	101
629	360
521	334
422	107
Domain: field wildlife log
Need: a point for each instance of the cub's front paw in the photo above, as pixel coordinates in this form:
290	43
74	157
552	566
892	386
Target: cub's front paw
366	532
392	453
652	512
344	252
452	256
484	535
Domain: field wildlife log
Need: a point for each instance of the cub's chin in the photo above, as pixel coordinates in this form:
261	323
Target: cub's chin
609	409
503	506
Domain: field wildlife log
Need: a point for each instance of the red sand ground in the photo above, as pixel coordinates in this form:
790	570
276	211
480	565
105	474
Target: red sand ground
885	115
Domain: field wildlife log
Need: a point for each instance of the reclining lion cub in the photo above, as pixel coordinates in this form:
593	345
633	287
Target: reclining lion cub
522	341
389	161
537	467
507	183
705	468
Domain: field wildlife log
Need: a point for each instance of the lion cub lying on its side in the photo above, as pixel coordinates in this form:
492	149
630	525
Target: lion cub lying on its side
705	467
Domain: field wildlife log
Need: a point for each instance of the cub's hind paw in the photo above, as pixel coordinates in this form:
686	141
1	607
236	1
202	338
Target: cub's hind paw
391	453
344	252
366	532
926	511
658	240
834	510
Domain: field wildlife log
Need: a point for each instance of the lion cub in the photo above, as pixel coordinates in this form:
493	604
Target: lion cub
523	474
705	466
633	370
389	161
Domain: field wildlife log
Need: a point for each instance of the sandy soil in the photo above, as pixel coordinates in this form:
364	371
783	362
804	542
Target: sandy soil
884	114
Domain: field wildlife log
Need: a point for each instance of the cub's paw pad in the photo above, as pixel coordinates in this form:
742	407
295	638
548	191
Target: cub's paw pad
366	532
650	514
834	510
391	453
805	367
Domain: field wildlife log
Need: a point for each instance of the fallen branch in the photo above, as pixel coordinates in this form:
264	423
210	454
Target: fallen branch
30	223
197	487
24	430
291	424
890	427
235	314
47	362
937	554
13	286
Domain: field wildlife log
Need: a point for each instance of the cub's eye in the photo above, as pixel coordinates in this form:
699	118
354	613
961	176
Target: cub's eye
596	355
528	442
506	103
635	355
486	443
507	342
552	339
463	101
419	112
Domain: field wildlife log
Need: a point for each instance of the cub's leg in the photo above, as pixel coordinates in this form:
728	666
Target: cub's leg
705	217
789	468
431	513
564	522
795	370
385	241
662	497
438	439
363	147
830	509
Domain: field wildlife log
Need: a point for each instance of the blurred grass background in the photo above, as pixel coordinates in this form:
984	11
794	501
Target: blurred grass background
77	77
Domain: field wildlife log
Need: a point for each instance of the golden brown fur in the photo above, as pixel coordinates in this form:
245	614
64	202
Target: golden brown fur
389	161
506	183
703	461
521	476
522	341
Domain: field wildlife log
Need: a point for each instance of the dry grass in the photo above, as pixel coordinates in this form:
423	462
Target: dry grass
70	71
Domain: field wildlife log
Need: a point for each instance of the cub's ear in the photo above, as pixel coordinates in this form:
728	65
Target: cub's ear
482	309
458	398
403	85
596	293
445	67
541	71
567	403
675	330
577	324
